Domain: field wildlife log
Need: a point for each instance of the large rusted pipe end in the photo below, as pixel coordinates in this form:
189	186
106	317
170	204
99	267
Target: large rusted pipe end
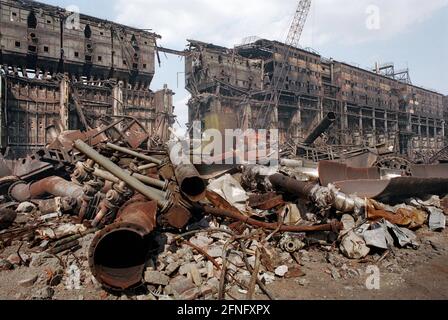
118	254
194	188
331	116
20	191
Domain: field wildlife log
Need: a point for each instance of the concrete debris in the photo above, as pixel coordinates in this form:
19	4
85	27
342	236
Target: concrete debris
437	219
26	207
156	277
281	271
29	282
353	246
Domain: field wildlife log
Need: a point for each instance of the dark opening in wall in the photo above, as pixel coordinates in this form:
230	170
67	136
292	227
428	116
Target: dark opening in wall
87	32
32	20
32	48
144	66
46	49
124	62
100	58
88	58
76	54
17	44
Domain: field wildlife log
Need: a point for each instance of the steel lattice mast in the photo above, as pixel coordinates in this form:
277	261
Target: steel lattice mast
271	100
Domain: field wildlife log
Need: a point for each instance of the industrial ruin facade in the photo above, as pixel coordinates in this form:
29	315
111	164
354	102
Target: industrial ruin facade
229	87
68	70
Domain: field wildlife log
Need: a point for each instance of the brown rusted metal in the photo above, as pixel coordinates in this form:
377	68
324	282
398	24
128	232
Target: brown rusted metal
323	126
331	172
410	218
58	204
266	201
430	171
190	182
394	190
335	226
118	253
292	185
55	186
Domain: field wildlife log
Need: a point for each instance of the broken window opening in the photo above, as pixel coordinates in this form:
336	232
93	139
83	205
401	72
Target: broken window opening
32	20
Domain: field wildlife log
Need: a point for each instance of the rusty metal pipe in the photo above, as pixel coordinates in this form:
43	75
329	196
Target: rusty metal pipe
118	253
188	178
151	181
145	179
122	174
293	186
55	186
134	154
323	126
336	226
322	196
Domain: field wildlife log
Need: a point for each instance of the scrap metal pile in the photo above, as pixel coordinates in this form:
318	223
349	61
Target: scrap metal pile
114	200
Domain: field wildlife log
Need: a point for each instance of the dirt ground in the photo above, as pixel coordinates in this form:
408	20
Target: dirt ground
403	274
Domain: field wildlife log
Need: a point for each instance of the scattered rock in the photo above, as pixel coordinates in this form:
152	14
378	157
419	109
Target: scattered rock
172	267
14	259
195	275
5	265
181	284
215	251
303	282
185	268
353	246
43	294
201	241
28	282
26	207
281	271
189	295
268	277
157	278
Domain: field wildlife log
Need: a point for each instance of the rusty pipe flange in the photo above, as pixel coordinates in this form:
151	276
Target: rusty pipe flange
116	257
117	254
19	190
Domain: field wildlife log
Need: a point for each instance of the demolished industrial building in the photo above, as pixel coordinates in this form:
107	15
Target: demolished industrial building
95	194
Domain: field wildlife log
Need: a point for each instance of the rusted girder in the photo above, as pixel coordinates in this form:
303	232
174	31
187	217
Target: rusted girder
118	253
55	186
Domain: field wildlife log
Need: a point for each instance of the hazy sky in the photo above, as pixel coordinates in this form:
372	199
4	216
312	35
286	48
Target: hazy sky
410	33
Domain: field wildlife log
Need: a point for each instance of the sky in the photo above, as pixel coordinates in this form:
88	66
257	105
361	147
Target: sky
411	33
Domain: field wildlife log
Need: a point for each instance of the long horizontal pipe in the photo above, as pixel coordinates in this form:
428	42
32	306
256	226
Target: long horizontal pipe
133	153
121	174
55	186
147	180
272	226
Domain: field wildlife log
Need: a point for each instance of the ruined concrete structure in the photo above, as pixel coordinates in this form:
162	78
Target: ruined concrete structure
229	89
66	69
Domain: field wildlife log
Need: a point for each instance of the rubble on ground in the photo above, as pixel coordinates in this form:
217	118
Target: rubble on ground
116	213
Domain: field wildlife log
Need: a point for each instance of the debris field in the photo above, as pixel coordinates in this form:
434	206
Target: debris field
120	214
